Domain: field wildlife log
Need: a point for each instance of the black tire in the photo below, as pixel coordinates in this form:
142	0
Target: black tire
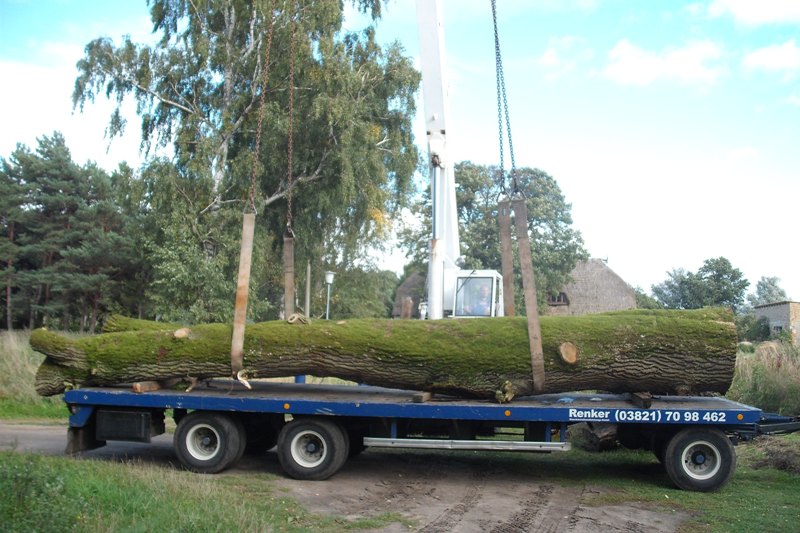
208	442
312	449
700	459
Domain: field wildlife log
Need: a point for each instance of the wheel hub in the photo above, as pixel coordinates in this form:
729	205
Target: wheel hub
699	458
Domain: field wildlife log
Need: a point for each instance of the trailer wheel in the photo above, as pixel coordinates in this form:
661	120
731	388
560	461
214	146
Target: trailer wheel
700	459
312	449
208	442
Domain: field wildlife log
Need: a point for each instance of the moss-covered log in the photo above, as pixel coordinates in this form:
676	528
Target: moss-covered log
661	352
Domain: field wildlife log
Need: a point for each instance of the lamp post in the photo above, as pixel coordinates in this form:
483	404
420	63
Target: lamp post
328	281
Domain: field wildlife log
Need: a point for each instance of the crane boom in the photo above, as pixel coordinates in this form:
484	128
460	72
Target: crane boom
451	291
445	245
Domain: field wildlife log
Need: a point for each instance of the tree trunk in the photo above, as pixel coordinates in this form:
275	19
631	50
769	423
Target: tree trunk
9	308
663	352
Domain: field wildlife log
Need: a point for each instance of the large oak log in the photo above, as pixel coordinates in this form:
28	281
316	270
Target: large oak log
664	352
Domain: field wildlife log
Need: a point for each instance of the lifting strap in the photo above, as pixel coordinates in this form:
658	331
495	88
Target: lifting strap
521	223
288	235
529	290
248	230
506	256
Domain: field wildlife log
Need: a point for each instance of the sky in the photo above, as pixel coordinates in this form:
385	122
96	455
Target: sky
672	127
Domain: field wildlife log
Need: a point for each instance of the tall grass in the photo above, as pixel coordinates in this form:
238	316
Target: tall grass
40	493
769	378
18	365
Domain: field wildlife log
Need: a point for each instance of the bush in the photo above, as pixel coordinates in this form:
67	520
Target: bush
769	378
32	496
750	328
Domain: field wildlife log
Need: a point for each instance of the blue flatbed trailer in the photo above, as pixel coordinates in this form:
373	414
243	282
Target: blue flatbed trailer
317	427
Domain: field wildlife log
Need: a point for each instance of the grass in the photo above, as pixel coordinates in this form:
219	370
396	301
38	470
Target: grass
18	365
768	378
56	494
758	498
59	494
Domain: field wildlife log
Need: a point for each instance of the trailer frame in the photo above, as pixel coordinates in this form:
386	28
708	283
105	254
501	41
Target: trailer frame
318	426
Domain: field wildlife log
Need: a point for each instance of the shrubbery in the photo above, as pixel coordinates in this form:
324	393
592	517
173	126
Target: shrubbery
32	496
768	378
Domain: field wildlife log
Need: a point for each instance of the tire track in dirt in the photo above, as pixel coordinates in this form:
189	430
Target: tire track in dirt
451	517
403	487
532	507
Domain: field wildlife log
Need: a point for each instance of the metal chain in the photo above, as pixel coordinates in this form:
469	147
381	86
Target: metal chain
502	108
290	148
261	107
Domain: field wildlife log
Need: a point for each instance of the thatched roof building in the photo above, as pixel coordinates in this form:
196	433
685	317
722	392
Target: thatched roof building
594	288
408	296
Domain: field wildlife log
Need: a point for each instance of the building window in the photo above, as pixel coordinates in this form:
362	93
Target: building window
560	299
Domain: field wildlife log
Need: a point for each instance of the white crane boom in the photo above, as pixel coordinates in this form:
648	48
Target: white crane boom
445	245
448	287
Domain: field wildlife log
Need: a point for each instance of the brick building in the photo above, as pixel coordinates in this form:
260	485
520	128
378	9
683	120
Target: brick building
782	317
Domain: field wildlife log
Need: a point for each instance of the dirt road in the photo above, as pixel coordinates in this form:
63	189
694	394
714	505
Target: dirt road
439	491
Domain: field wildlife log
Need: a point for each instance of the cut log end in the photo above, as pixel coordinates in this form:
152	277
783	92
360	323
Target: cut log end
145	386
568	352
182	333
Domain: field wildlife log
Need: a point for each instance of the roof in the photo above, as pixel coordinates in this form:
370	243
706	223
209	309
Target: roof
775	304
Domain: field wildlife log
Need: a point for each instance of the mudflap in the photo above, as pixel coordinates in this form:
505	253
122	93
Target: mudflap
82	440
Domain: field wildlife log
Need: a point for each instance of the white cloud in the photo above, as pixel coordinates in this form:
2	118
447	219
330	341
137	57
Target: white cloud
563	54
776	58
741	153
793	100
757	12
691	64
38	102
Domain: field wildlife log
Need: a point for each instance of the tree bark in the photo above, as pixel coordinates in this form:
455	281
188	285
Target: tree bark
662	352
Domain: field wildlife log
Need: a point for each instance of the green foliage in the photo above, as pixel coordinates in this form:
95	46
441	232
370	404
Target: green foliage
198	90
58	494
752	329
556	246
769	378
716	283
768	291
65	244
645	301
32	496
363	293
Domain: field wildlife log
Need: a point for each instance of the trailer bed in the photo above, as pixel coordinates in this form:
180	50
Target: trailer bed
316	427
361	401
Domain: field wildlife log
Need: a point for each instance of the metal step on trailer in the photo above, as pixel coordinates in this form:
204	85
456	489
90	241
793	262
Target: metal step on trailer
447	444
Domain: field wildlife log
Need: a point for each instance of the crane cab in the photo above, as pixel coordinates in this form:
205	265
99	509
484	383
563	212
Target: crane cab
477	293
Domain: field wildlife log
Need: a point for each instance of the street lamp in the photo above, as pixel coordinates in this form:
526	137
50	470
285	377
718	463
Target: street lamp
328	281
